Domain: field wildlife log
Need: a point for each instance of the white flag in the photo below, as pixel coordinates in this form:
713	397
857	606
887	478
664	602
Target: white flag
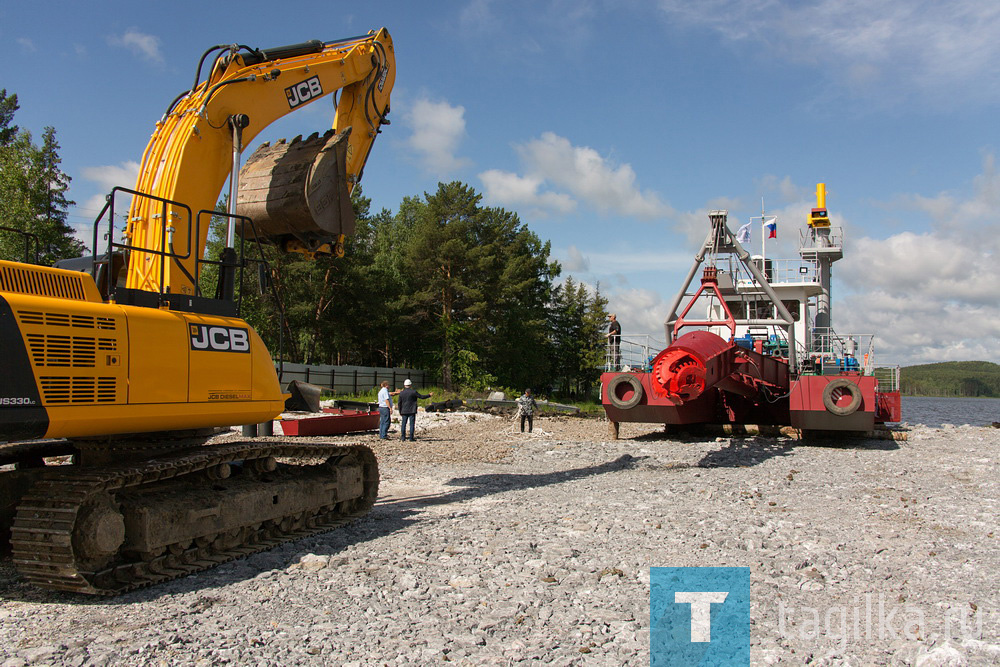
743	234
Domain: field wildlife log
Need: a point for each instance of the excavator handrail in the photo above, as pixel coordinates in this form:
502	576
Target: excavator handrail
109	208
27	236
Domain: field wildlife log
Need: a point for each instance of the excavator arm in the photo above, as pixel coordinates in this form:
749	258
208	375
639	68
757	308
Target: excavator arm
191	152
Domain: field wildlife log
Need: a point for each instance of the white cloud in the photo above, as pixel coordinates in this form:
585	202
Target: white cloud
575	261
438	129
640	311
147	46
26	45
889	49
786	189
478	17
952	213
633	261
106	178
507	189
931	296
594	179
559	174
109	176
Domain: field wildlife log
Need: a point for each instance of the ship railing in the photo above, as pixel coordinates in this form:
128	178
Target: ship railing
887	377
801	349
818	239
780	272
635	353
833	352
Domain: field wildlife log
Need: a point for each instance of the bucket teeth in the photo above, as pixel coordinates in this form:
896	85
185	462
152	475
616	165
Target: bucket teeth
299	190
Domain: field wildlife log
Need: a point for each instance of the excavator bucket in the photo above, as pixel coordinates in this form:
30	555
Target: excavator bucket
304	397
296	193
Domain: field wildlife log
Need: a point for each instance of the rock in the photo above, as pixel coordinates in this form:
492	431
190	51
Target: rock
39	653
488	547
313	563
942	656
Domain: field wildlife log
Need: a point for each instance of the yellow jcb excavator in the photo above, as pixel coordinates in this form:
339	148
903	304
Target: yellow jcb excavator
124	365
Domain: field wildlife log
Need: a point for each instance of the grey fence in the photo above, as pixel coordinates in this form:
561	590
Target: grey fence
352	379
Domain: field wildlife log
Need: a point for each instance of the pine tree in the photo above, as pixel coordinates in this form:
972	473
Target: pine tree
17	211
8	106
32	192
442	257
52	205
577	317
516	275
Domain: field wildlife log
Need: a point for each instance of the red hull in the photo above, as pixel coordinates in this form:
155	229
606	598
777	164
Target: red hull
802	407
807	409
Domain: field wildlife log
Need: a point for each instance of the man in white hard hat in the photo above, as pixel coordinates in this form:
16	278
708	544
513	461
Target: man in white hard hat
408	407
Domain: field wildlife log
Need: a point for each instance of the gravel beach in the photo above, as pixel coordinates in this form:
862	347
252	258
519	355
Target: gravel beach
492	547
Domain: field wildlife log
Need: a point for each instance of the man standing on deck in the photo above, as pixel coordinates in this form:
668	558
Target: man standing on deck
614	337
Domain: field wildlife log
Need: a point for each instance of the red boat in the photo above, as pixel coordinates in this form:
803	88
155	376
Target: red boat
765	351
334	421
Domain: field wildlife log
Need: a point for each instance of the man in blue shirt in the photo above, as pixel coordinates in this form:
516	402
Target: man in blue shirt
384	410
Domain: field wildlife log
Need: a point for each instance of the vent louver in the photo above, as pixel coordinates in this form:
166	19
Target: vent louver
42	282
73	390
67	320
68	351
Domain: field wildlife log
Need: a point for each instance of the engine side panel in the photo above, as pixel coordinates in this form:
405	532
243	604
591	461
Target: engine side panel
22	415
76	368
158	356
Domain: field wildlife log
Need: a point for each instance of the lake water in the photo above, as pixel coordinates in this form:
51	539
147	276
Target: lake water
933	411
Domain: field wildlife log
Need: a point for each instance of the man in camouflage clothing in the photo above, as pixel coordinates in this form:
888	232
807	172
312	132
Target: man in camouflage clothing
526	408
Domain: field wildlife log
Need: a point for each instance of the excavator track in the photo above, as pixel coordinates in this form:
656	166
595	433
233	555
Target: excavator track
107	530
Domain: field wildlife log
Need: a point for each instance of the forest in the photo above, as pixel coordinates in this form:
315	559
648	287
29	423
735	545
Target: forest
952	378
445	284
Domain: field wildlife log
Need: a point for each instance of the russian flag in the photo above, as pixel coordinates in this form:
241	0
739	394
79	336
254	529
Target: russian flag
771	227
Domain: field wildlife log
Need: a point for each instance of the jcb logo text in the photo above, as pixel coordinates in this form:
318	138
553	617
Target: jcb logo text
219	339
304	91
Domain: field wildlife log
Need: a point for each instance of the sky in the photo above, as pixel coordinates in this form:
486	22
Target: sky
611	127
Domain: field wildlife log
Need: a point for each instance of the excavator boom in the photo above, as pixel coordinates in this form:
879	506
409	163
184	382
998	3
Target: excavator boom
190	154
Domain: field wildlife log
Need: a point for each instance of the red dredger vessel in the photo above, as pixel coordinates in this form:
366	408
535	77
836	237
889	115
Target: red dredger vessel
762	349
